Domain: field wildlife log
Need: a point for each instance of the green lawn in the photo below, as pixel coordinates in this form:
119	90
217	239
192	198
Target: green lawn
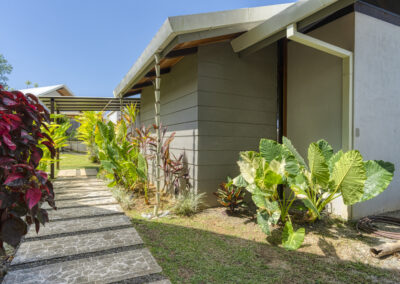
211	247
75	161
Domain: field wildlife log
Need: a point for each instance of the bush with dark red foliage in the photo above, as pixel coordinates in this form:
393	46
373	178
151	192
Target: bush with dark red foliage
23	188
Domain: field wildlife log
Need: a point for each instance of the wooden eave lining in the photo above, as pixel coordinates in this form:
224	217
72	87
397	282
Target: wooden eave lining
174	57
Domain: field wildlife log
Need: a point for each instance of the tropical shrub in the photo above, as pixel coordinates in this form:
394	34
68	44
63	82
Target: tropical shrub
58	133
175	174
124	197
87	131
327	177
188	203
230	196
119	157
23	188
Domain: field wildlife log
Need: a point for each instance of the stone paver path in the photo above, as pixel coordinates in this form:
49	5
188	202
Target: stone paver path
88	240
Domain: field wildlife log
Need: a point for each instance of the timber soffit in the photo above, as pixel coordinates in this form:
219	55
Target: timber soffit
191	28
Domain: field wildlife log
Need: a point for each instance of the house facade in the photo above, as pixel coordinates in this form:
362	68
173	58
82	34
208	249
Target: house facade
308	70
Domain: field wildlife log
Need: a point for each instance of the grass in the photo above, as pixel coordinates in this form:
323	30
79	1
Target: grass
76	161
70	161
212	247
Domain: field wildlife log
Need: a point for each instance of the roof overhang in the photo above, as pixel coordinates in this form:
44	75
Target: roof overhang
303	12
72	103
197	29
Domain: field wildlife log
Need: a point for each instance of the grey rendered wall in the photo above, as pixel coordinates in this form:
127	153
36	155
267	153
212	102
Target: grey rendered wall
314	98
377	103
179	110
237	106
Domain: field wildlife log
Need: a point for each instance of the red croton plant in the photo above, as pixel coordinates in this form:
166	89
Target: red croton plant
23	188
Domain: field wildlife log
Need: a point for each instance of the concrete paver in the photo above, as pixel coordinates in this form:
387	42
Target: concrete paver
88	240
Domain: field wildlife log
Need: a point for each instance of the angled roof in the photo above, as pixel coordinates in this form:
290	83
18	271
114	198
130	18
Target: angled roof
277	23
62	89
182	29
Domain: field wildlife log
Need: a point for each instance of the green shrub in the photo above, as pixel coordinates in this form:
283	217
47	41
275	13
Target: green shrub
124	197
188	203
230	196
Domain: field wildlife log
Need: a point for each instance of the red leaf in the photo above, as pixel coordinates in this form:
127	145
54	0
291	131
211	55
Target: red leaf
33	196
9	102
36	155
12	178
14	117
50	147
8	142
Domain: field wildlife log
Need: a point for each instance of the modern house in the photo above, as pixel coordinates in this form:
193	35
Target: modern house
308	70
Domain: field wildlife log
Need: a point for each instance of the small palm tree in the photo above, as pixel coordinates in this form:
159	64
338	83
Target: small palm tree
36	85
28	83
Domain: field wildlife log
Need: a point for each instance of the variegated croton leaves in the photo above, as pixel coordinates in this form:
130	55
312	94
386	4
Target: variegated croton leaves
23	188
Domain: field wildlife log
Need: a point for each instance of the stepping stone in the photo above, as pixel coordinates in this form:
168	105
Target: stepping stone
88	172
31	251
74	189
79	225
67	173
99	210
82	194
96	269
93	201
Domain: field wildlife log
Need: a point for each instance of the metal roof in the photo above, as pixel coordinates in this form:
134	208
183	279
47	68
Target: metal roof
62	89
88	103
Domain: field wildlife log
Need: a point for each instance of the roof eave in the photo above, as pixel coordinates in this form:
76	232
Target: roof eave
294	13
175	26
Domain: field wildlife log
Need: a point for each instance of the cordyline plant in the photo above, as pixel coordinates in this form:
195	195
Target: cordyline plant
23	188
176	177
327	176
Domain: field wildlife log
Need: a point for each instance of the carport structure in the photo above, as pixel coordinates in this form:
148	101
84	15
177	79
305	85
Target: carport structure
74	104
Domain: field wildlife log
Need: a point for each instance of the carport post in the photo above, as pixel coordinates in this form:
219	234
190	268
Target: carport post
52	164
58	150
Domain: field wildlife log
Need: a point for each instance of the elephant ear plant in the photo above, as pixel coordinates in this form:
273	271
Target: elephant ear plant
327	176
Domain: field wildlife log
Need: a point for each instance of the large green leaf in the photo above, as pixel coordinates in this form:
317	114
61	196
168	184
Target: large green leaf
318	167
259	200
288	144
292	240
379	175
349	177
239	181
248	164
262	221
333	160
270	149
326	149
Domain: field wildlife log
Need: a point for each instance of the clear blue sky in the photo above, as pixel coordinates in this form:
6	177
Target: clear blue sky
88	45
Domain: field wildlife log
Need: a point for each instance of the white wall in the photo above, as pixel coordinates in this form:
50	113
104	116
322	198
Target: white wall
314	95
377	103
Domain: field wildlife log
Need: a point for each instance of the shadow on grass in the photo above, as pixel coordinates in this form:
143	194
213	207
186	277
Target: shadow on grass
189	255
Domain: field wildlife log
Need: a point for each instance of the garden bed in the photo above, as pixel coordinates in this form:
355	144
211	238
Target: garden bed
213	246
